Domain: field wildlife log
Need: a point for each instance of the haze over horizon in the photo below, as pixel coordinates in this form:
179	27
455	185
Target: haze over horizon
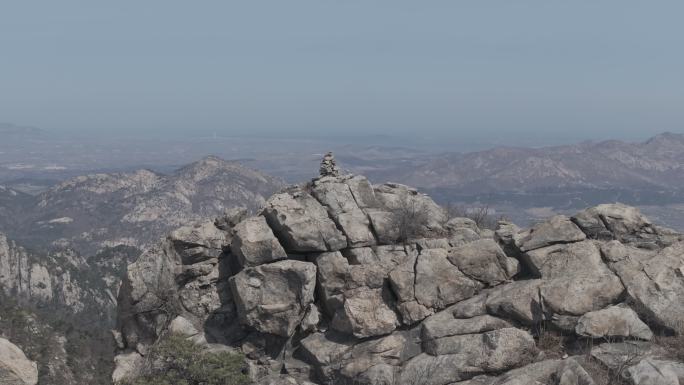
466	71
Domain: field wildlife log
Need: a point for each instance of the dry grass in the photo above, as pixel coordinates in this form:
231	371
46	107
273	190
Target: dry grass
483	216
552	343
600	374
674	346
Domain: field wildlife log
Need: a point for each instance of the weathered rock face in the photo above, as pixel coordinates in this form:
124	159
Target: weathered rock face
339	196
22	276
576	280
273	298
355	296
656	284
41	291
15	368
456	358
556	372
656	372
484	261
623	223
614	321
254	243
558	229
317	289
302	223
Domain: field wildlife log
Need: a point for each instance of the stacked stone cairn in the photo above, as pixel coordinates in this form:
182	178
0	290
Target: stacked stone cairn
329	166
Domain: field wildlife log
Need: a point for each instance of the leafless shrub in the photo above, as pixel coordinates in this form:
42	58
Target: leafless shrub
601	374
409	220
483	215
672	338
551	342
673	344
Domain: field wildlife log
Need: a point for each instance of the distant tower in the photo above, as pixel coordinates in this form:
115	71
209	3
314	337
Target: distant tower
329	166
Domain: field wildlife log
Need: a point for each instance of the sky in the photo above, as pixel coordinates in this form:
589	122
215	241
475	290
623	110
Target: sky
457	70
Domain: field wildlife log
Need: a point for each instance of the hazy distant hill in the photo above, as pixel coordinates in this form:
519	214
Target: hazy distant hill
8	130
99	210
656	163
12	206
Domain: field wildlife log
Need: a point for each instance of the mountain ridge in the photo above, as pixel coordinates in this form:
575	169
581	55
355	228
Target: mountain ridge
655	163
138	207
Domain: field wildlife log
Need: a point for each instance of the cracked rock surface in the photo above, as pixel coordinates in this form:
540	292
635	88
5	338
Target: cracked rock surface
318	288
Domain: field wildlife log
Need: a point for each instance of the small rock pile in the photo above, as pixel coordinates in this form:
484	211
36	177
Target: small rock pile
329	166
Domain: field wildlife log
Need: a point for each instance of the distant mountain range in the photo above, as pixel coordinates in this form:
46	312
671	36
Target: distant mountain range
95	211
656	163
11	130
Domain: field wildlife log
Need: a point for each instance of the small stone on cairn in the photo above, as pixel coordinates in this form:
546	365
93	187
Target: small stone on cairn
329	166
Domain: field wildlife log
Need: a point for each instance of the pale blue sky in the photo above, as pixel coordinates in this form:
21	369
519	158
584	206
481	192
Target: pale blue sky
455	69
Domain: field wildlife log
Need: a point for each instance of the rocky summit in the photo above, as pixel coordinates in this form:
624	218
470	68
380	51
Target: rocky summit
342	282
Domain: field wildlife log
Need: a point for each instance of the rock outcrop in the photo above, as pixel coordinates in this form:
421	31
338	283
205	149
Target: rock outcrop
15	368
324	286
273	298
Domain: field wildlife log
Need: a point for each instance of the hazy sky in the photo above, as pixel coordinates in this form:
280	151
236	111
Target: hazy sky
477	70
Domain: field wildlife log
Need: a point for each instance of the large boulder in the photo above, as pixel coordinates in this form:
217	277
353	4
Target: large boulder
324	352
199	241
462	357
551	372
438	283
126	366
207	301
657	372
575	279
395	197
428	282
254	243
655	285
15	368
366	313
484	261
376	362
558	229
436	327
273	298
302	224
336	276
337	195
505	339
369	362
519	301
614	321
623	223
617	356
355	296
148	297
403	282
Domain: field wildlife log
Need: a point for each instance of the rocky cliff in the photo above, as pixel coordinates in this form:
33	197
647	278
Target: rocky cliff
341	282
59	306
15	368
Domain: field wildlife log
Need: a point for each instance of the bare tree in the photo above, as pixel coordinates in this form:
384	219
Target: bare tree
482	215
409	220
